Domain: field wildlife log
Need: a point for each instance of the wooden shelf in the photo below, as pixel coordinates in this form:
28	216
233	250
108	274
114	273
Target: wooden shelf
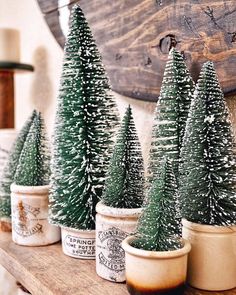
47	271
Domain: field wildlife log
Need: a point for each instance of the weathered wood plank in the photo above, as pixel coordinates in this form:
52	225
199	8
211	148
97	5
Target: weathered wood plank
134	37
46	270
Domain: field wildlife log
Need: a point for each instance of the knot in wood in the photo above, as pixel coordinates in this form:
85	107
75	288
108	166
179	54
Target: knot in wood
167	43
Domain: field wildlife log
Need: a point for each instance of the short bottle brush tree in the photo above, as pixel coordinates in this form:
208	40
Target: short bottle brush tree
30	190
84	128
34	164
10	168
124	187
171	113
208	168
159	226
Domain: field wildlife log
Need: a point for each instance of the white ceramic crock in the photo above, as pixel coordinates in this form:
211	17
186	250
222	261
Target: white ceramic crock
113	225
212	260
149	272
78	243
29	209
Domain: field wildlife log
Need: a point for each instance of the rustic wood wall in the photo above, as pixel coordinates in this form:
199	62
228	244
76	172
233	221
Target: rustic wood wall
135	36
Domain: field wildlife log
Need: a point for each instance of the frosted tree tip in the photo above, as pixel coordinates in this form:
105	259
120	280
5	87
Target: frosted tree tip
172	51
208	65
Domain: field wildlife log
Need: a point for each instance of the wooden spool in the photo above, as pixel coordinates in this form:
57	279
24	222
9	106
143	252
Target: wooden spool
134	38
7	70
6	99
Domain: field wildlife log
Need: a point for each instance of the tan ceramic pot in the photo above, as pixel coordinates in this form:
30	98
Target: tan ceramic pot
113	225
212	260
78	243
149	272
29	209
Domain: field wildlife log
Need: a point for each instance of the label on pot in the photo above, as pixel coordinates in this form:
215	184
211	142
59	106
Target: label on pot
25	221
79	246
110	253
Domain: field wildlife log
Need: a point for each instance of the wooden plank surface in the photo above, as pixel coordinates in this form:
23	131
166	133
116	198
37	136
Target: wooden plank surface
47	271
134	37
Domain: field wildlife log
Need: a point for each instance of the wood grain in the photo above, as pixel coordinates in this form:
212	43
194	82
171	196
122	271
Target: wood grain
6	99
47	271
134	37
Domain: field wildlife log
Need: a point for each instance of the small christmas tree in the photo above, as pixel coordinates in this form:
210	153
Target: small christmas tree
171	113
124	187
10	169
33	168
159	226
208	168
84	129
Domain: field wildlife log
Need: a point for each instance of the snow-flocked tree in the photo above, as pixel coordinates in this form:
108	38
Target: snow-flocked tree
34	164
124	186
171	113
159	226
10	167
85	123
208	167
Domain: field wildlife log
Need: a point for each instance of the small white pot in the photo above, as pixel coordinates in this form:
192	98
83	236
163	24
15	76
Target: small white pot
113	225
78	243
29	209
150	272
212	261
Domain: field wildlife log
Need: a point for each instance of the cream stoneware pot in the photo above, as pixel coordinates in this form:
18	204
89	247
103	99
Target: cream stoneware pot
150	272
212	260
29	209
113	225
78	243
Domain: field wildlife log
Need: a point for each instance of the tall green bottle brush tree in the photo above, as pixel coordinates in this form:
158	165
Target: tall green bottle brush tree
124	187
208	167
85	122
171	113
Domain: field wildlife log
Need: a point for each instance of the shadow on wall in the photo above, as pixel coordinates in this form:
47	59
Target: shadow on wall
41	89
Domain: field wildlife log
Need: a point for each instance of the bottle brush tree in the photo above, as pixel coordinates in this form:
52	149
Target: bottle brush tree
85	122
33	168
208	168
124	186
171	113
9	170
159	226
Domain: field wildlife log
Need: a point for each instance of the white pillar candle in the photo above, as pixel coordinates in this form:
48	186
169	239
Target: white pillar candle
9	45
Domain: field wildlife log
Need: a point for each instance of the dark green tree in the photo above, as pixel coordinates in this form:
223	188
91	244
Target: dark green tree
171	113
208	168
124	186
84	129
9	170
159	226
33	168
